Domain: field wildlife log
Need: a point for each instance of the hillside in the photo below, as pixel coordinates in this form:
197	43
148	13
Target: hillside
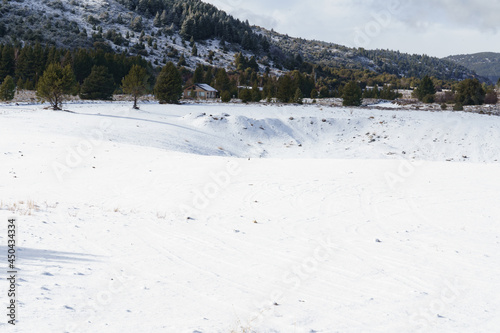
381	61
486	64
165	30
113	25
217	218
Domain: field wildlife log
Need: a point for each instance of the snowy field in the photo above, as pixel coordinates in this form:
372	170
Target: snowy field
230	218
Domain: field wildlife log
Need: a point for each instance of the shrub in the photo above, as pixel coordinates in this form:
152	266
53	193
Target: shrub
352	94
470	92
428	99
448	97
458	107
246	95
491	97
426	90
225	96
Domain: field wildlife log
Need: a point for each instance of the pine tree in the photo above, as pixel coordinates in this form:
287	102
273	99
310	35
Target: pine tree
99	85
470	92
168	87
298	96
7	89
25	66
157	20
194	51
56	84
135	83
256	94
426	91
7	63
136	24
198	74
286	89
222	82
352	94
314	94
182	61
245	95
225	96
164	17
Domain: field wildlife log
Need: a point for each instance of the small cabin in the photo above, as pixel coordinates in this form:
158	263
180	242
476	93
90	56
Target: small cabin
200	91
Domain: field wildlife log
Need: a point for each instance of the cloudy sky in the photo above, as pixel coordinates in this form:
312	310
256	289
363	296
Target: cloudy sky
438	28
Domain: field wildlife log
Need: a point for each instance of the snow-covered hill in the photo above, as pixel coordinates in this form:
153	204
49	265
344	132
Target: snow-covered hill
73	24
136	27
234	218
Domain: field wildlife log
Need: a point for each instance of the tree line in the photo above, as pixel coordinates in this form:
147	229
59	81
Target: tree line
96	74
465	92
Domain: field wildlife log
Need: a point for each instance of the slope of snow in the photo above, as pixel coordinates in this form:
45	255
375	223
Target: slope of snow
166	219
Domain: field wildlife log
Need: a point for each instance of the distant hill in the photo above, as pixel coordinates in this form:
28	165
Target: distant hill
380	61
486	64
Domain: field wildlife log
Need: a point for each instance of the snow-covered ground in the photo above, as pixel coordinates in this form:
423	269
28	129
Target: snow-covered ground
233	218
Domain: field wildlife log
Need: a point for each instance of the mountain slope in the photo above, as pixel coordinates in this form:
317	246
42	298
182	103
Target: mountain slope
166	30
381	61
486	64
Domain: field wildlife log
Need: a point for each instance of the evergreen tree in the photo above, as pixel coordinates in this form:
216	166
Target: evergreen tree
210	76
198	74
222	82
99	85
470	92
252	63
7	62
225	96
256	94
56	84
314	94
352	94
157	20
25	67
426	91
389	93
182	61
298	96
136	24
245	95
168	87
285	89
7	89
194	51
135	83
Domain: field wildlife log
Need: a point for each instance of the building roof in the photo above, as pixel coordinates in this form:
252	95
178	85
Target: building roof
205	87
